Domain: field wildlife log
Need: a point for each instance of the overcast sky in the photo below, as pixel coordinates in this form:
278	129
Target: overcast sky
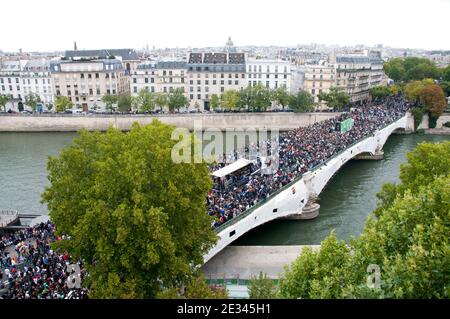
47	25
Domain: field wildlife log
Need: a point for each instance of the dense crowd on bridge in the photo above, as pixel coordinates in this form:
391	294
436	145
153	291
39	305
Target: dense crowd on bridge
31	269
299	151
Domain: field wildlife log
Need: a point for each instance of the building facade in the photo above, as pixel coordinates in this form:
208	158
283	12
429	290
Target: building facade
269	73
318	78
10	78
357	73
36	79
86	81
214	73
160	76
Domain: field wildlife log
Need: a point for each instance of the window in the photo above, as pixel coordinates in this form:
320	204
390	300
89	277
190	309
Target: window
199	96
191	89
69	93
114	91
17	80
236	82
152	80
207	89
199	89
206	82
222	75
230	82
153	89
89	76
97	75
214	82
199	82
91	92
108	91
222	89
191	96
145	80
222	82
191	82
134	80
98	91
267	84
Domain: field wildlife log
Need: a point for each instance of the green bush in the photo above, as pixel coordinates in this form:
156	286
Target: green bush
446	124
432	121
417	113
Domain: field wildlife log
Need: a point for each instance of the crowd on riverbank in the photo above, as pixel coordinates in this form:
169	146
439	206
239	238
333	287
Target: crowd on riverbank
31	269
299	151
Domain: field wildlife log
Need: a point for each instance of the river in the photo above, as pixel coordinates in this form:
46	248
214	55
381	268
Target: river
345	202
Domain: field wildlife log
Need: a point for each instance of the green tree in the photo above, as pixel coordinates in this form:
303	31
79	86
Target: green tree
245	98
109	101
302	102
406	239
32	99
262	287
144	101
4	99
124	102
281	96
177	99
63	103
378	92
411	68
161	100
336	98
446	73
445	87
260	98
136	219
215	102
433	99
394	69
230	99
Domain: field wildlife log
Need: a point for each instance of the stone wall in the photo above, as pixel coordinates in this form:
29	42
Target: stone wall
68	123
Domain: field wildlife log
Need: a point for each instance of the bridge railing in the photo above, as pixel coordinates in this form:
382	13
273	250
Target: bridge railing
298	178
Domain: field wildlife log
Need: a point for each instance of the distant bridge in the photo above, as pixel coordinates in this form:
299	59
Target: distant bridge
296	200
10	219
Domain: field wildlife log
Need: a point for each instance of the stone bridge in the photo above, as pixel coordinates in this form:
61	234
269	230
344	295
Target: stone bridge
296	200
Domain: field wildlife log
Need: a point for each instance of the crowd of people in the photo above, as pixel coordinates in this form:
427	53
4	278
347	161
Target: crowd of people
31	269
299	151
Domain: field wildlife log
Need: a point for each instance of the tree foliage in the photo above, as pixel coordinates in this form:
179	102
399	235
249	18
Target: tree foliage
109	101
124	102
230	99
215	102
32	99
63	103
301	102
433	99
411	68
161	100
281	96
407	239
144	101
136	219
4	99
176	99
336	98
262	287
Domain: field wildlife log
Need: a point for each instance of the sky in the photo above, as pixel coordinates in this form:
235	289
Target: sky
49	25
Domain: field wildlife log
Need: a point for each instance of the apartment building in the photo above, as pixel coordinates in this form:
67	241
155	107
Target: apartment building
214	73
85	81
10	78
36	79
159	76
269	73
318	78
357	73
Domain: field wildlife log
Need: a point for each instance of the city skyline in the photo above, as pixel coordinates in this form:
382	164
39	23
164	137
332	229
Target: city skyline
399	24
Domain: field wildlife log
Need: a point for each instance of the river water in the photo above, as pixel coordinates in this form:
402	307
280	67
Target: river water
345	202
